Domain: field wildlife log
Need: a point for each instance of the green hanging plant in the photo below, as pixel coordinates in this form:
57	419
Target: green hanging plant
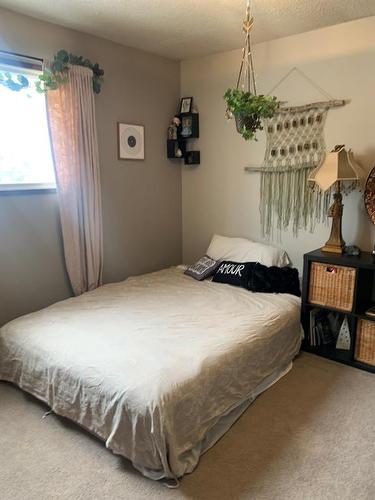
57	74
249	109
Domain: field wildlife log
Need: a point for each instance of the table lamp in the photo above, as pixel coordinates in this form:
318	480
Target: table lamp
338	167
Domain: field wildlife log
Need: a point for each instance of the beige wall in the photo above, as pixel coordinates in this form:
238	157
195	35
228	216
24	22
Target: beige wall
141	200
218	196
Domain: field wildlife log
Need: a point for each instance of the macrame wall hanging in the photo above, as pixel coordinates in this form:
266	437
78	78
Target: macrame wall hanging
295	147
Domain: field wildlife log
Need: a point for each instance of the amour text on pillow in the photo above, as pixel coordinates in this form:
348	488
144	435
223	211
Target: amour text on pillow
231	269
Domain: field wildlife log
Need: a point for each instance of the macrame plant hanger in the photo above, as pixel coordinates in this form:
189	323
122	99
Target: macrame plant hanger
295	148
246	76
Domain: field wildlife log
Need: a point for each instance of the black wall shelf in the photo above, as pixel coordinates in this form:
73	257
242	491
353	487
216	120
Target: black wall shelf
188	130
173	145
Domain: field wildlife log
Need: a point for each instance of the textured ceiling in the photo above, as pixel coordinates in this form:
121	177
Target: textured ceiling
182	29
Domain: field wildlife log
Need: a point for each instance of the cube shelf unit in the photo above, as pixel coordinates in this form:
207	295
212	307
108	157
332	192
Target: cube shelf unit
188	130
362	268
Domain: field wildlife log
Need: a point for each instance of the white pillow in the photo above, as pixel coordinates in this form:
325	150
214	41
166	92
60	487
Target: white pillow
243	250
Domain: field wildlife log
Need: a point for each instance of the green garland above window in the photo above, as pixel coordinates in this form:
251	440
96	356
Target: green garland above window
57	74
54	75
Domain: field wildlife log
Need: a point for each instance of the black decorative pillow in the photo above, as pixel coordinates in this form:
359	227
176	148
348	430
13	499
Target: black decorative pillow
203	268
233	273
273	279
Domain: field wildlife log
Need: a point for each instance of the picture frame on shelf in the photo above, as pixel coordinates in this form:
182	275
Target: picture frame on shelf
186	126
131	145
186	105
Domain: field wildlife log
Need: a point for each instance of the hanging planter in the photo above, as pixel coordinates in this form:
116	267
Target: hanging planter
249	110
246	123
243	103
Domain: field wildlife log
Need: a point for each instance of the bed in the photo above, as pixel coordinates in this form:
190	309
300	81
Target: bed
158	366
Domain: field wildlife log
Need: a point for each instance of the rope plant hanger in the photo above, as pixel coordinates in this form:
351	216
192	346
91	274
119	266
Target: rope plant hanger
243	103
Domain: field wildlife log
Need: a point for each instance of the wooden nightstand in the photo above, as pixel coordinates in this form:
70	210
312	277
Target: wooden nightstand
343	285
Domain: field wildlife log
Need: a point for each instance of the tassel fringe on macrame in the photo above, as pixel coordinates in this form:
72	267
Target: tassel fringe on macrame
286	201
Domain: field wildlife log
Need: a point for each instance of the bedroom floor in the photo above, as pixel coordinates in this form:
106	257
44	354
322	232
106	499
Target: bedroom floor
311	436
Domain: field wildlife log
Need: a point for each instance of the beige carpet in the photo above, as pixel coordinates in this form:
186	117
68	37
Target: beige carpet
311	436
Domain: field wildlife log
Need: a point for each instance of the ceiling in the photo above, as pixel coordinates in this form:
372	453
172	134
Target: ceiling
182	29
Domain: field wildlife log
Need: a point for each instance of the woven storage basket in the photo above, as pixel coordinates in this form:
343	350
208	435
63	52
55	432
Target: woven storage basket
365	343
332	286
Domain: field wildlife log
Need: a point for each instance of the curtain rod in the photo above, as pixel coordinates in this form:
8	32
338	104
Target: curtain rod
15	54
14	60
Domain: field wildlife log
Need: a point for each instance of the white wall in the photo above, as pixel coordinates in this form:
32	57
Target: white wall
218	196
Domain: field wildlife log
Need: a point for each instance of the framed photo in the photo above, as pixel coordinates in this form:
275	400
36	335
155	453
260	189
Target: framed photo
186	105
131	144
186	126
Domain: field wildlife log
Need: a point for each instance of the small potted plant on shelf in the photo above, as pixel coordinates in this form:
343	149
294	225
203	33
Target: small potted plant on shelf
248	110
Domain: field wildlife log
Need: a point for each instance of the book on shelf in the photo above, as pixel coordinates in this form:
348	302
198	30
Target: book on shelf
371	312
324	327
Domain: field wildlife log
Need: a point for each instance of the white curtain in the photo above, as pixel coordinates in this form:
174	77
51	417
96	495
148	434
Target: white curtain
71	112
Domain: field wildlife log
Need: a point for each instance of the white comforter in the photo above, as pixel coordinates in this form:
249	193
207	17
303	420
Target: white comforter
153	364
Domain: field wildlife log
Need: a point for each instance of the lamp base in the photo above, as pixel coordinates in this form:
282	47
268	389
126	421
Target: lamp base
333	248
335	244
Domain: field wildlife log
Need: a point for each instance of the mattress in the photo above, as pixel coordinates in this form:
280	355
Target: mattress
158	366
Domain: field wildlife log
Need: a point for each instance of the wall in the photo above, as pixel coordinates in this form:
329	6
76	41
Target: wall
141	200
218	196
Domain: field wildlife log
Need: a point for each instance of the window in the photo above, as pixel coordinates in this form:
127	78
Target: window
25	149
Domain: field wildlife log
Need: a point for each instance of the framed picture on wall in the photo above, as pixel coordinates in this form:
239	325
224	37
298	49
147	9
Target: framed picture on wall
186	126
131	144
186	105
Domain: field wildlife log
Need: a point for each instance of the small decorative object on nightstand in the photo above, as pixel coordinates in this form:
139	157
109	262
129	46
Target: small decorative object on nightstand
352	250
338	169
337	297
344	340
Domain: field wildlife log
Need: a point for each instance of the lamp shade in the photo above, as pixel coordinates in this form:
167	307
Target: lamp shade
338	165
